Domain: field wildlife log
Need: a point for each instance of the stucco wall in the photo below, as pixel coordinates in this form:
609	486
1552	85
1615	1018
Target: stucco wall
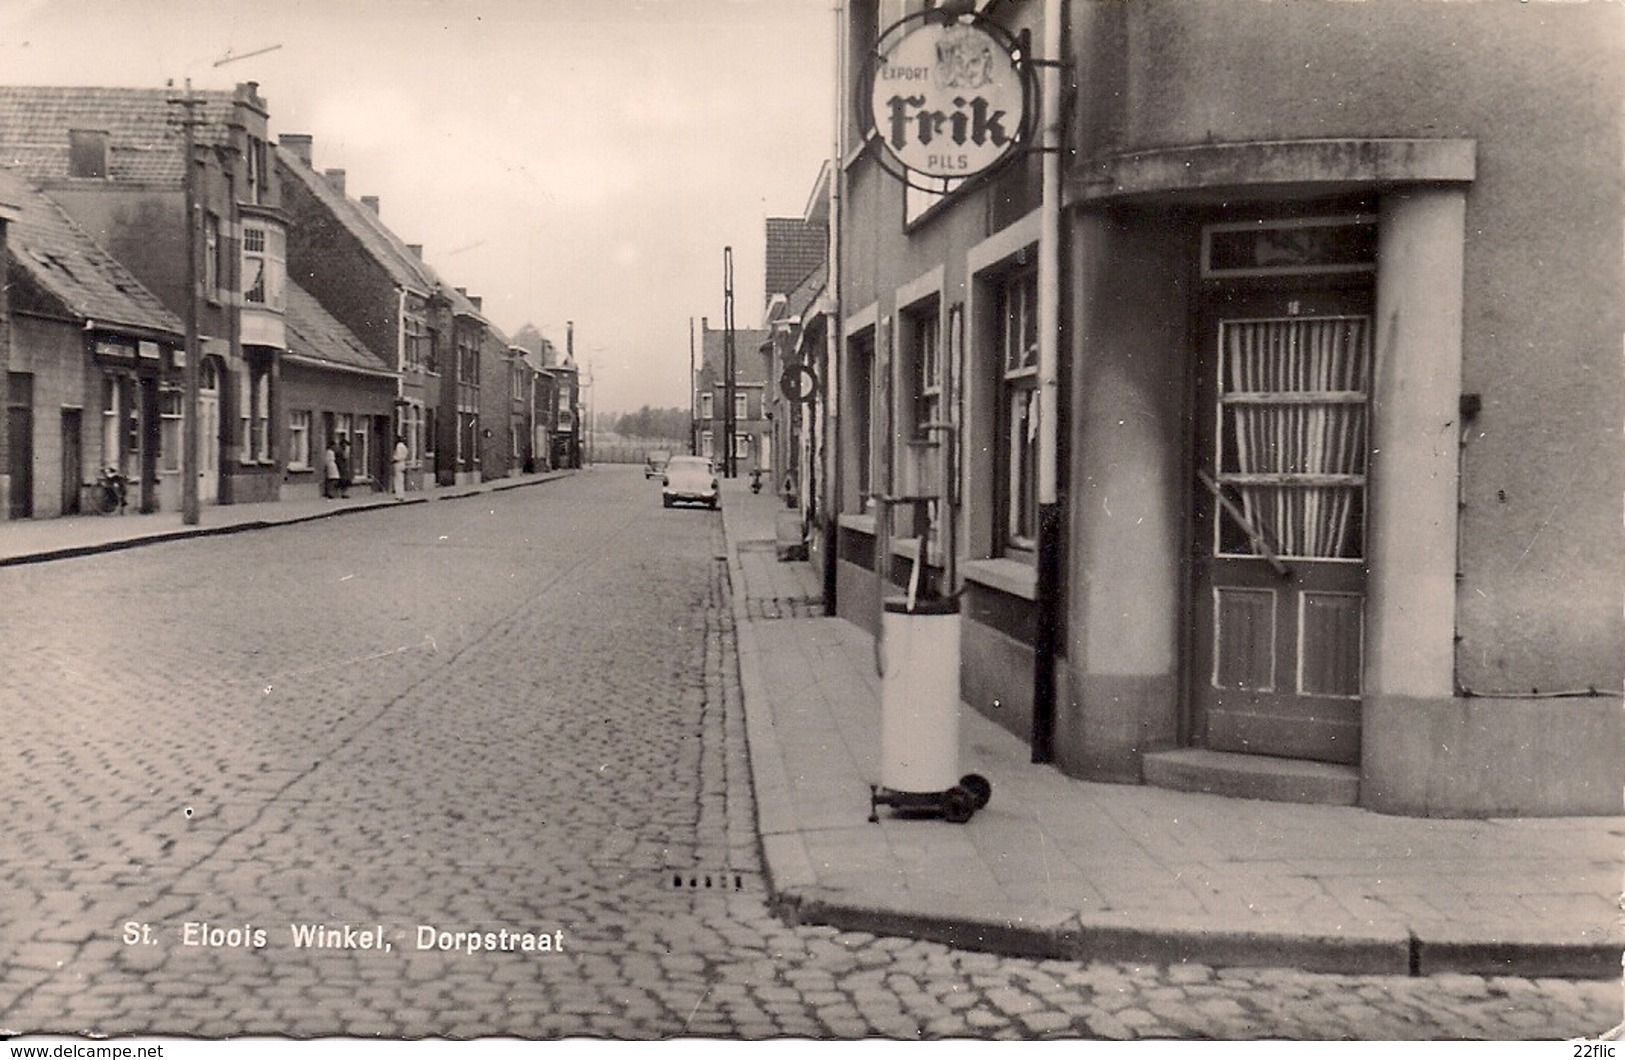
54	354
1537	87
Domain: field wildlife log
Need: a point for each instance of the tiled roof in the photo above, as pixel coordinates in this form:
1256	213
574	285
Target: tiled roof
144	139
404	267
72	268
807	292
794	249
748	365
315	337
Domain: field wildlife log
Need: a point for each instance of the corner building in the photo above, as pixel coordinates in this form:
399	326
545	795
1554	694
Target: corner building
1341	317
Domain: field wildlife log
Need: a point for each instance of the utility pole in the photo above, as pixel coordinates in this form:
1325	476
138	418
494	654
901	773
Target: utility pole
728	424
189	432
693	396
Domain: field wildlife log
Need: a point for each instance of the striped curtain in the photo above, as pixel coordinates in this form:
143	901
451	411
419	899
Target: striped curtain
1293	401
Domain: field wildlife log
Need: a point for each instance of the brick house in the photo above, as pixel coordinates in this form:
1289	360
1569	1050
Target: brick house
796	276
335	387
91	374
113	159
752	429
381	289
507	409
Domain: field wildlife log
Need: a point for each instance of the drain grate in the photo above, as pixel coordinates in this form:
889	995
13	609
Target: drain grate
689	880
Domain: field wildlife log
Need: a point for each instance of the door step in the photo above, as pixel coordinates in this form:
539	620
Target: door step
1240	776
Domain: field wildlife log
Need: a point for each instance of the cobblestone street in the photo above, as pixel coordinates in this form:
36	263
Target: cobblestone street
515	715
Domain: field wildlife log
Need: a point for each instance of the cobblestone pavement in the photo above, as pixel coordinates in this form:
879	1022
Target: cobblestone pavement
516	713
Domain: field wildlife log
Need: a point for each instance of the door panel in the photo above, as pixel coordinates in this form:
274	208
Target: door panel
1282	394
72	461
19	397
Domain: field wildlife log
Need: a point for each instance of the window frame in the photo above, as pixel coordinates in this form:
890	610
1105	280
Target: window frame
264	245
171	394
1015	461
299	424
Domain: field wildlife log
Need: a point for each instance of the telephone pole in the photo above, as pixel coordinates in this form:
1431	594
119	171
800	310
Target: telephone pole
728	425
189	425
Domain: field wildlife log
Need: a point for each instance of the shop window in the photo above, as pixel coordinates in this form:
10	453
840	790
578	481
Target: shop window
361	450
1017	299
299	439
170	418
112	402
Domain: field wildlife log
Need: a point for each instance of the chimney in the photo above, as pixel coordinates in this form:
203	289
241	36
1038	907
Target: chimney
462	291
416	249
476	301
335	179
298	143
370	202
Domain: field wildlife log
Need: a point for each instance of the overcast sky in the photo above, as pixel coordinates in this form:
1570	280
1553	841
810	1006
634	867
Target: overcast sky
581	160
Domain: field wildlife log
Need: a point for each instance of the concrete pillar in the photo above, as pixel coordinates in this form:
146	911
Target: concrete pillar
1415	412
1127	495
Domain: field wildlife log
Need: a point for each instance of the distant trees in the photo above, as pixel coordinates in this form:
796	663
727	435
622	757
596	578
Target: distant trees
654	423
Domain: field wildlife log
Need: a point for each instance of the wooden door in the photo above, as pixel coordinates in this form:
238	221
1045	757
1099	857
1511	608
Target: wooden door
1283	400
20	444
72	460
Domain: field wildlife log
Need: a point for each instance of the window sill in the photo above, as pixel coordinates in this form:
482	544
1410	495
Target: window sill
1006	575
863	524
909	549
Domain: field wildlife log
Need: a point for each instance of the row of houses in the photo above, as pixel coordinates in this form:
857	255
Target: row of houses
764	425
316	323
1260	411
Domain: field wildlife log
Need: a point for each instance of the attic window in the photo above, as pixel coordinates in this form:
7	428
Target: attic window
87	153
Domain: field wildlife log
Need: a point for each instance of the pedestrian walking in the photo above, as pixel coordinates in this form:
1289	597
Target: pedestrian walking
398	462
330	467
344	467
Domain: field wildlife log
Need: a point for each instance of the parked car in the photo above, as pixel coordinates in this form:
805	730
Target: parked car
655	463
689	480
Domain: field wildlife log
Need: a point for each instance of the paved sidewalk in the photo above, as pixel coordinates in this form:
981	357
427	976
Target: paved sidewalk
37	540
1057	867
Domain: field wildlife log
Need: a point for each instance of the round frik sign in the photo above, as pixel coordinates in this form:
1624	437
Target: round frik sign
947	100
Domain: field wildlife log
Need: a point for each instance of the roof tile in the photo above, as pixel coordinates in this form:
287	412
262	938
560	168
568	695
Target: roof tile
68	264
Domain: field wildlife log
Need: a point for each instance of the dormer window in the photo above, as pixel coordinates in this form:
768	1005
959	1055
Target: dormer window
87	153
